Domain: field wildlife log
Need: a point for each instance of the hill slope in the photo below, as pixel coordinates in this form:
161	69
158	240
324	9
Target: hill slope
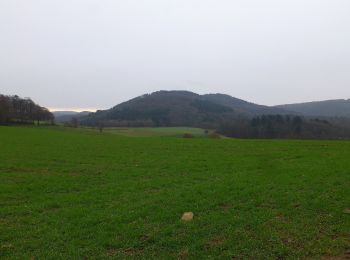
328	108
242	106
179	108
64	116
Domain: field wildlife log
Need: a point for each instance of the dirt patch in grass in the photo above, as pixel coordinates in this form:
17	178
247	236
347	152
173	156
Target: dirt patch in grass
344	256
131	251
184	254
215	242
346	211
225	207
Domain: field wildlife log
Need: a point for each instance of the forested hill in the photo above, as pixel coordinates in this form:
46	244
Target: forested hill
67	116
179	108
328	108
242	106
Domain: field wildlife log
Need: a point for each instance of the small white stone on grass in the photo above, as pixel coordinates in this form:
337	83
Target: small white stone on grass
187	216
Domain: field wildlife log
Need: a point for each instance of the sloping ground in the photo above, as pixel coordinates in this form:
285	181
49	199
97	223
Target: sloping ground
179	108
243	107
75	195
67	116
328	108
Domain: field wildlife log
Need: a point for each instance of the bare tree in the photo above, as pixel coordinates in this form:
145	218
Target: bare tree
75	122
100	126
16	109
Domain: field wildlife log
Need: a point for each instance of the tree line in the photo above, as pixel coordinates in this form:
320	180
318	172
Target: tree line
286	126
14	109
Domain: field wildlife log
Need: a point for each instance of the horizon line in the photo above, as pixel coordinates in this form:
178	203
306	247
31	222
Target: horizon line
58	109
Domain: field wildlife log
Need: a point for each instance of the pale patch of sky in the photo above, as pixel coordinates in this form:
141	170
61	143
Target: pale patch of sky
97	53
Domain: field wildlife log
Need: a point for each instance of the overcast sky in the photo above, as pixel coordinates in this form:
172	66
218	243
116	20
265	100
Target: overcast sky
86	54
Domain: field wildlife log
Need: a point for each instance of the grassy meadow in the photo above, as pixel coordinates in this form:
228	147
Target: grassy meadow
79	194
156	131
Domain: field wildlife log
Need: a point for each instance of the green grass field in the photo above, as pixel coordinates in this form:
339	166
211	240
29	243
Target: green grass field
84	195
156	132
